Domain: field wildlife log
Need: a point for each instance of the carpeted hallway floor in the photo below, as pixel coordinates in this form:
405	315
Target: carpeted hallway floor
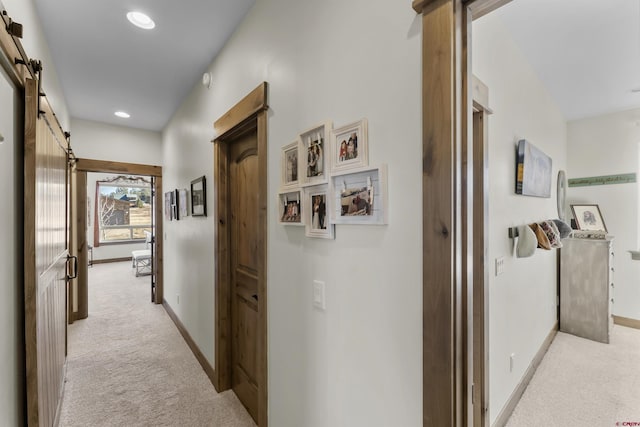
584	383
129	366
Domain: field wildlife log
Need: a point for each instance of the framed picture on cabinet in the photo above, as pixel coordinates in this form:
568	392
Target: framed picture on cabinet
290	165
350	147
290	208
360	196
317	205
588	217
313	154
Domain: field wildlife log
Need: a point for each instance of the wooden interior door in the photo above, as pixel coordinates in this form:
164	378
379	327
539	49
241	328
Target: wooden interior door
45	257
243	186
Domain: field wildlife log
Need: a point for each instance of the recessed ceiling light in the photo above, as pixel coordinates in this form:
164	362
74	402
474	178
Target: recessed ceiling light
122	114
141	20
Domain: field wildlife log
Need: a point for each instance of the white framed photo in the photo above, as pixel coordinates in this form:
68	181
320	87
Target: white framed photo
290	165
313	154
360	196
317	206
350	147
291	208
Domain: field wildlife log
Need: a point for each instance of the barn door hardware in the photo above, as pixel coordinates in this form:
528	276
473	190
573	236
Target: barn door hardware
36	65
13	28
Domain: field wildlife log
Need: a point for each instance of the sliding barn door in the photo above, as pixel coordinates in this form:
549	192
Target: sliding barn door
45	234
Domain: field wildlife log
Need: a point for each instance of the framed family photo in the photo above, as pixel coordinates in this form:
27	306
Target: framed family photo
317	205
313	153
290	165
360	196
350	147
199	197
290	208
588	217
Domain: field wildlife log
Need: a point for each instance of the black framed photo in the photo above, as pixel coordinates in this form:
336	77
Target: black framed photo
176	204
199	197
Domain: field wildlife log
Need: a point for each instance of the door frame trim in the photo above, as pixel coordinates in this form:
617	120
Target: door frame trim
83	166
447	141
249	113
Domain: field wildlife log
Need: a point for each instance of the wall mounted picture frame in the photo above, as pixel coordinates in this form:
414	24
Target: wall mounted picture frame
313	153
184	205
290	165
588	217
168	205
199	197
176	204
291	208
360	196
533	171
317	208
350	147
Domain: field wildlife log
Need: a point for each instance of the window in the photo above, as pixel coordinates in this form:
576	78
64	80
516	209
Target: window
123	209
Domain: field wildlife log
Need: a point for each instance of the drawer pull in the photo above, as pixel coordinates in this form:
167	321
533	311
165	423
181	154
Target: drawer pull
612	301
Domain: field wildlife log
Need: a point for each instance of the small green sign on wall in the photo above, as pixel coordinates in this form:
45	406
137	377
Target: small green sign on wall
626	178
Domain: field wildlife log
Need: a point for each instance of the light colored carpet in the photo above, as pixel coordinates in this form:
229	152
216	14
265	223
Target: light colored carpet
129	366
584	383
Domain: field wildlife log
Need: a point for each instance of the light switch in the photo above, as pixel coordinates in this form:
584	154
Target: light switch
318	294
499	265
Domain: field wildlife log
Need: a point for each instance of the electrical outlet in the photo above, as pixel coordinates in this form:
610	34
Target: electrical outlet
512	361
499	265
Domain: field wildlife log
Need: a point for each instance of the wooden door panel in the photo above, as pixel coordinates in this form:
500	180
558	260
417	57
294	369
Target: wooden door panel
244	269
45	234
246	211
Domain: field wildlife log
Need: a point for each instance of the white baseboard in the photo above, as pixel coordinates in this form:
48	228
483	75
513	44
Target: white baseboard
511	404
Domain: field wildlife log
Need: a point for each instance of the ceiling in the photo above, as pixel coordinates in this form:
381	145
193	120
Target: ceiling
585	52
105	64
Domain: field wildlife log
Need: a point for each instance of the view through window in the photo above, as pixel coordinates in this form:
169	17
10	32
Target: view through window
123	209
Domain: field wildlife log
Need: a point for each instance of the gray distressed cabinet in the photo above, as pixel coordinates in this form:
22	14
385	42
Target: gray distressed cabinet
586	288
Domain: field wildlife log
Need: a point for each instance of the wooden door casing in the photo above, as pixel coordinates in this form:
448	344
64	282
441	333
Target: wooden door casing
243	185
45	234
248	115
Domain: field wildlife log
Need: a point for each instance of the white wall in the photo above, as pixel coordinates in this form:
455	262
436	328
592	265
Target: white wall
523	299
101	141
608	145
359	363
36	46
11	295
110	251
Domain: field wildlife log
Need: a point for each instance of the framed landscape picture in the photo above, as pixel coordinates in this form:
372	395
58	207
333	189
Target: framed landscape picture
350	147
